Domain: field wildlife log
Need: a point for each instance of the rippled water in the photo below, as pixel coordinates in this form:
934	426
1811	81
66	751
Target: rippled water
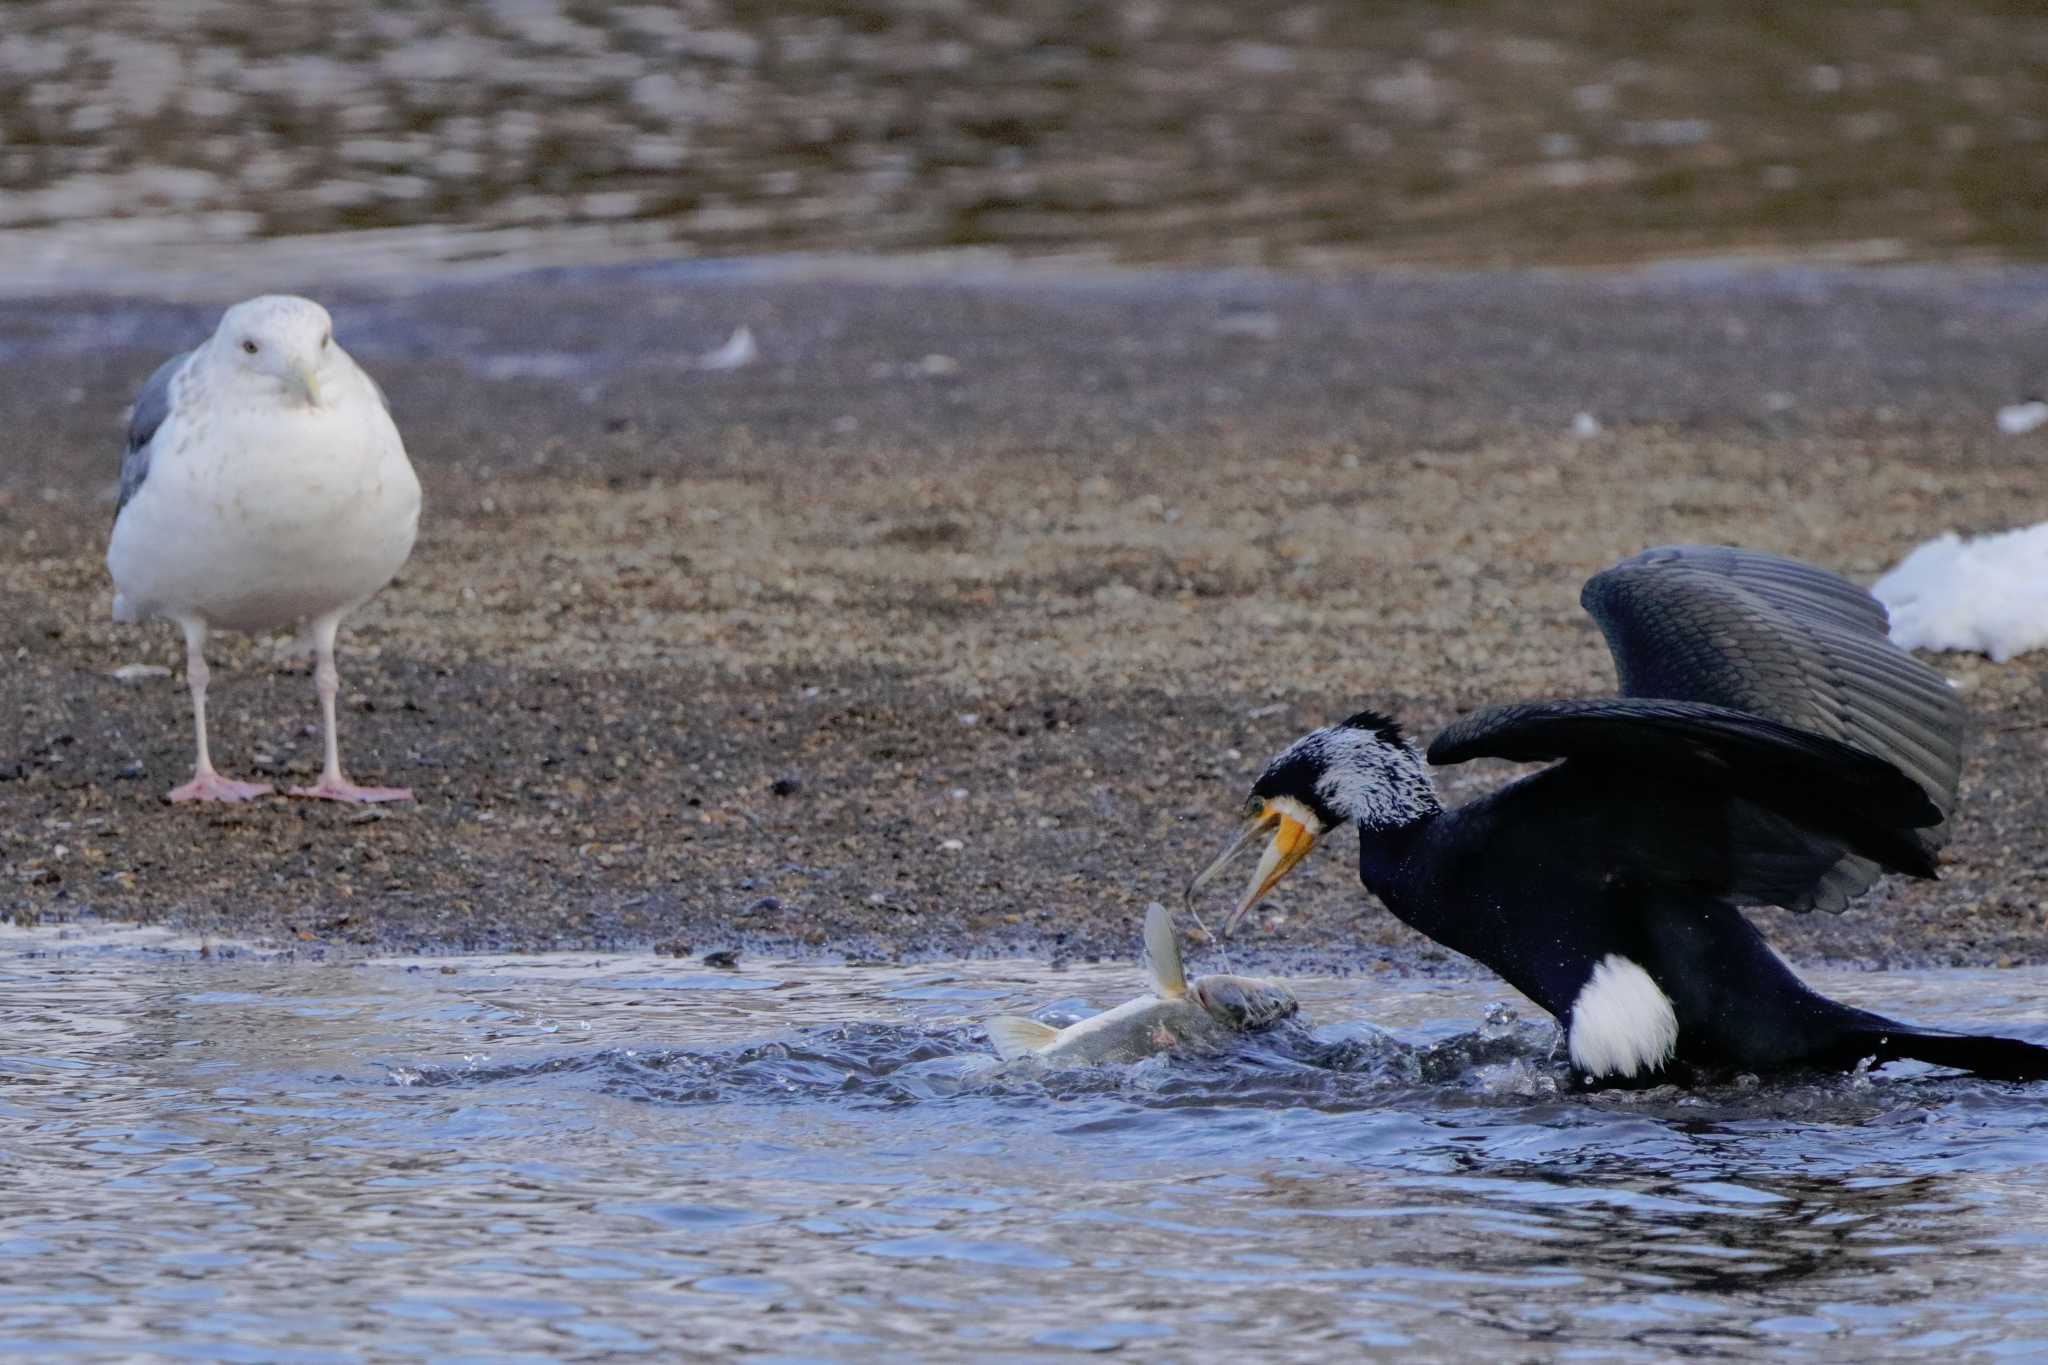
575	1157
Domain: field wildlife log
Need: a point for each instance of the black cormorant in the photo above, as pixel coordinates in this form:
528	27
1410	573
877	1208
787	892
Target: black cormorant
1770	746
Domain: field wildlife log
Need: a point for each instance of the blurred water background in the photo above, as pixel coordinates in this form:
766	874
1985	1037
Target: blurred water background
168	136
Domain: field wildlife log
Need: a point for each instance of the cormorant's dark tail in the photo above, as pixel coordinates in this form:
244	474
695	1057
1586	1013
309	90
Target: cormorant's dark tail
2000	1059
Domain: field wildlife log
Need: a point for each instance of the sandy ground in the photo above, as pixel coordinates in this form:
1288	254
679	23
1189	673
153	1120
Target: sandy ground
960	621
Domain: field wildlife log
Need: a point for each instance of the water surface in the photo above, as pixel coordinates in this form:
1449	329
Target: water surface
581	1157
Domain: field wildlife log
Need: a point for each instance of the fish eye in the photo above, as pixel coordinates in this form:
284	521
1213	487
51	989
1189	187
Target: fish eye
249	346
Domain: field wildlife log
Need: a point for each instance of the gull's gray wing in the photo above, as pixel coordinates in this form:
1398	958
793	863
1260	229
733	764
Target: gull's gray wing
152	406
1791	643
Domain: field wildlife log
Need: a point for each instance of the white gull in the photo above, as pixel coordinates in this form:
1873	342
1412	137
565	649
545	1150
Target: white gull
264	487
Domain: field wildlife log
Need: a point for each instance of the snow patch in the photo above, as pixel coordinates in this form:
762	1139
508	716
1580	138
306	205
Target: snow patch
1988	595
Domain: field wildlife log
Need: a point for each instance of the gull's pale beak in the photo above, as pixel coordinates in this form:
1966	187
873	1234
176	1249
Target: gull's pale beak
1291	841
309	383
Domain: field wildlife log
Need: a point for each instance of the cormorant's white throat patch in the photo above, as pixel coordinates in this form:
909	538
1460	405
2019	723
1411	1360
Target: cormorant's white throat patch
1621	1023
1297	811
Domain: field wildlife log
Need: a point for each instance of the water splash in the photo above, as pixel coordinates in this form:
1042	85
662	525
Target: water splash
543	1156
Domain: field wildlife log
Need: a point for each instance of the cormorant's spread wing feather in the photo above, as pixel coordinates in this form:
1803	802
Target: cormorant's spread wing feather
1834	789
1794	644
152	406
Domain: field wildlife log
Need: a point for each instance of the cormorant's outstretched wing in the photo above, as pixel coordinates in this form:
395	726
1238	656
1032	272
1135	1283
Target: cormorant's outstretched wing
152	406
1843	798
1784	640
1776	639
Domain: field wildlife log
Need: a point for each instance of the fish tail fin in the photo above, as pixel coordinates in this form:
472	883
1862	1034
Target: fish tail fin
1016	1036
1170	980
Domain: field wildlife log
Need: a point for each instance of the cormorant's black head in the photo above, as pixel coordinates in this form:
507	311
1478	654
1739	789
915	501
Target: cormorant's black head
1361	770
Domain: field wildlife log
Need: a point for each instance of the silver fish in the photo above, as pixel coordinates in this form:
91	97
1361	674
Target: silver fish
1204	1012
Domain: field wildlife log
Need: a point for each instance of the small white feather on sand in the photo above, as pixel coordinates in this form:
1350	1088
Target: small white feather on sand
2017	419
1985	596
739	349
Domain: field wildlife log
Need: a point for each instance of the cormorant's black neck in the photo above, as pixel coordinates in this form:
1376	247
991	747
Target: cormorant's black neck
1418	871
1386	862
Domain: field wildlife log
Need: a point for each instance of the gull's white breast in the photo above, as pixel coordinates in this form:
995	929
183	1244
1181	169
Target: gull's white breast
257	516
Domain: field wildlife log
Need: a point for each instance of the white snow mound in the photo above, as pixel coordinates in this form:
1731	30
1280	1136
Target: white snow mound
1985	596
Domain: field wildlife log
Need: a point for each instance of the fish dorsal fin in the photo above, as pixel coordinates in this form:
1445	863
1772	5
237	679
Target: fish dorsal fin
1164	949
1016	1036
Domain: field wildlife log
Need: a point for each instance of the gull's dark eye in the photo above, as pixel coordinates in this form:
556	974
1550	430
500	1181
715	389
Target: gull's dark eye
250	347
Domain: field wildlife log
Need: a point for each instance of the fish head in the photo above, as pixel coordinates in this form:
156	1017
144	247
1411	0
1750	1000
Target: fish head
1244	1004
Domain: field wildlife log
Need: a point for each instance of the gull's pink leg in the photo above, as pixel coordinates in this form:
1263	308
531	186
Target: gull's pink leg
332	786
206	784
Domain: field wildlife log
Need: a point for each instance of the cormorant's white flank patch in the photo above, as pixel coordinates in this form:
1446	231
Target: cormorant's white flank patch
1621	1022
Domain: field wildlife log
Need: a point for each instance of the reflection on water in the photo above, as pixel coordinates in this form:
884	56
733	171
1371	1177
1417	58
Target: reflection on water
571	1156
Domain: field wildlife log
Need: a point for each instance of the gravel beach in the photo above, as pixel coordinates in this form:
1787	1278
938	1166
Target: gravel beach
959	621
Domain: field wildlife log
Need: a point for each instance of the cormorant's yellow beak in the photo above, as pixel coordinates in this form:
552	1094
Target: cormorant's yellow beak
307	382
1292	838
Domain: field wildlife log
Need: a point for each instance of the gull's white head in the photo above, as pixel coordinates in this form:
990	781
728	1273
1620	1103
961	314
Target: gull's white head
278	339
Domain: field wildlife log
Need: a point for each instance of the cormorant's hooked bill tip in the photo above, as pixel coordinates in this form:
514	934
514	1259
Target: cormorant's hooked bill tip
1293	837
